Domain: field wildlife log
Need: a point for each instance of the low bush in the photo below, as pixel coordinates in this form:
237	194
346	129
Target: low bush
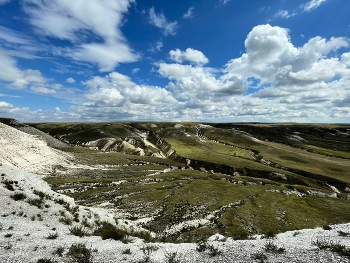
18	196
52	235
272	248
214	251
79	253
201	246
36	202
327	227
46	260
260	256
110	231
171	257
78	230
59	251
143	234
333	246
65	220
127	251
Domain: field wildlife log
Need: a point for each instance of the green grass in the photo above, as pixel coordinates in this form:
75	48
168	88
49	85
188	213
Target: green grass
182	195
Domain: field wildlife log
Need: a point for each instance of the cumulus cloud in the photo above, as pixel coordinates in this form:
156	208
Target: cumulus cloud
83	20
118	90
312	5
189	81
189	14
160	21
190	55
70	80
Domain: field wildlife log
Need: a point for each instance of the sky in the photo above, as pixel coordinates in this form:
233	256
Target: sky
184	60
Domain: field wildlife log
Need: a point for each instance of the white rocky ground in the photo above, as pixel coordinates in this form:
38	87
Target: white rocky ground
24	228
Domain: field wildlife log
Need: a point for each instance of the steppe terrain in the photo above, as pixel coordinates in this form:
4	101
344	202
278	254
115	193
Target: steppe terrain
174	192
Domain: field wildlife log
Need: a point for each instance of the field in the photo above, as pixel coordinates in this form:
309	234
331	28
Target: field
187	181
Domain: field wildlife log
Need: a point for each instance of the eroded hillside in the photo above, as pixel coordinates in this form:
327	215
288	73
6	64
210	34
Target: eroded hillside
186	181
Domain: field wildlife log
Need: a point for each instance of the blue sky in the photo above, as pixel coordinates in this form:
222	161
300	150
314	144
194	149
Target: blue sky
185	60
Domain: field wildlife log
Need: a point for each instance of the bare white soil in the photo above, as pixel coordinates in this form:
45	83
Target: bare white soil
24	228
28	152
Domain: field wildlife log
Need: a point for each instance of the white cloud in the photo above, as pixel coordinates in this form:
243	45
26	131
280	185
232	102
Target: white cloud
8	69
190	55
106	55
118	94
135	70
160	21
189	14
156	47
78	20
312	5
187	81
43	90
70	80
284	14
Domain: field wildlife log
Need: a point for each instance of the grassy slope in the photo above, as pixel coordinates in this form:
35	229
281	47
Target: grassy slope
261	210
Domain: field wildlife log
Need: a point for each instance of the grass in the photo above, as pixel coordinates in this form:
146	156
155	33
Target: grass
79	253
255	206
270	247
52	236
333	246
79	230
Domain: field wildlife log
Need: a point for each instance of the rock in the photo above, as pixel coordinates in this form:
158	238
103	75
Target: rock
217	237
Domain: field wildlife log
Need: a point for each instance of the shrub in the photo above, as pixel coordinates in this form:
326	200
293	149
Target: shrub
172	257
214	251
109	231
79	253
36	202
45	260
333	246
41	194
18	196
52	235
201	246
9	185
272	248
145	235
59	251
260	256
8	235
78	230
127	251
65	220
327	227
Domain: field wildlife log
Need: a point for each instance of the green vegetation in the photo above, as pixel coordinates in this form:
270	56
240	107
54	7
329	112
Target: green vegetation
333	246
239	179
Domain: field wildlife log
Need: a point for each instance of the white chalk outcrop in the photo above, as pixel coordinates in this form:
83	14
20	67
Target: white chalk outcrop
28	152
